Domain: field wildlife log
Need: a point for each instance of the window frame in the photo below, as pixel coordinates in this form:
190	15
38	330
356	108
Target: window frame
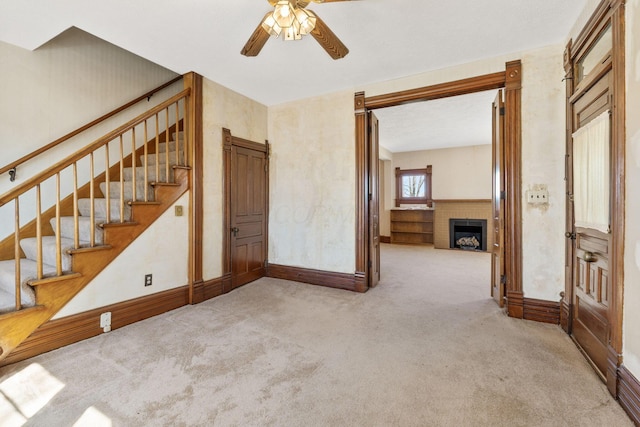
426	200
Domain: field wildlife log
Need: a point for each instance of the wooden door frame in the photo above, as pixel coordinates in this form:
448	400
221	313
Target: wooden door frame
607	12
511	81
228	141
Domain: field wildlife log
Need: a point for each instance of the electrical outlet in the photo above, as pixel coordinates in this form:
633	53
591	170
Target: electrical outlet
105	321
538	197
147	279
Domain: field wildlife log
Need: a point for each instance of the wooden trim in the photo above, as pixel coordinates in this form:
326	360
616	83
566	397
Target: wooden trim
196	195
618	143
462	201
426	200
442	90
385	239
315	277
226	201
208	289
629	393
587	34
541	311
362	192
68	330
81	129
513	188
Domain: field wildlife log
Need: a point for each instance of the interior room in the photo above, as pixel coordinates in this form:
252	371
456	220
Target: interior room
207	213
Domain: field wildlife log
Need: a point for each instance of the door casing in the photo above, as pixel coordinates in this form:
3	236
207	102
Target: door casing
511	81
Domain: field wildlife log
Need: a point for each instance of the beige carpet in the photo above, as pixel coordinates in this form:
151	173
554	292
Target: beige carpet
427	347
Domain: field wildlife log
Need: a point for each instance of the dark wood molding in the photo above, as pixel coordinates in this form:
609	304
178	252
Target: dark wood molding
426	200
629	393
541	311
315	277
385	239
226	203
515	304
618	160
362	190
442	90
68	330
196	195
462	200
565	314
208	289
513	188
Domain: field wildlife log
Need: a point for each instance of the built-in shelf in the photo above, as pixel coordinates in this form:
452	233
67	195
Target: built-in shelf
413	226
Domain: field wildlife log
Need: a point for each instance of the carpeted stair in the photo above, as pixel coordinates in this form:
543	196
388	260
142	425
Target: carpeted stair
28	264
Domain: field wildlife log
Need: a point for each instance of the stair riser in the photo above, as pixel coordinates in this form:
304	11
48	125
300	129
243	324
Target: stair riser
114	190
100	209
163	160
30	249
151	174
67	229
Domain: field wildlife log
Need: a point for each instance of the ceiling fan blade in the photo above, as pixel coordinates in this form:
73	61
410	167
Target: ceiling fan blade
328	40
256	42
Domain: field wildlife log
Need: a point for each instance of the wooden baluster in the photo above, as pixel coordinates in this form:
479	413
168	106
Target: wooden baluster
92	208
178	163
157	148
121	180
107	182
186	127
17	254
166	147
39	233
133	164
58	234
146	163
76	219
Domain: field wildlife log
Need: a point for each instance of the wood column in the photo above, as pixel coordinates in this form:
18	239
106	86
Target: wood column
196	195
513	184
362	192
226	195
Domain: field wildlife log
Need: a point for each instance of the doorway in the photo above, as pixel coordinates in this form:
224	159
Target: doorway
510	79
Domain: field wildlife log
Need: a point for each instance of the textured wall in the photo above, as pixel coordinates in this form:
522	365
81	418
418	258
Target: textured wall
246	119
312	217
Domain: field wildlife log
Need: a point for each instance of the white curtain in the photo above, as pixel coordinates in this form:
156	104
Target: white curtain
591	174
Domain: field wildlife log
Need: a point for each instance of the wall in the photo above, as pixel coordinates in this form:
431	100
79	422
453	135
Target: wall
312	199
246	119
457	173
631	316
59	87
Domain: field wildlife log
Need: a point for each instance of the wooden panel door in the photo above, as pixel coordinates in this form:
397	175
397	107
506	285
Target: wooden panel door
497	257
592	288
248	215
374	201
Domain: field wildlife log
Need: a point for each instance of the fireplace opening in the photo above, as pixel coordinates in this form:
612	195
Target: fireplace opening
468	234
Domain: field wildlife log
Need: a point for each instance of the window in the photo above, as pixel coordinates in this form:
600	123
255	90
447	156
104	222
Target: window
413	186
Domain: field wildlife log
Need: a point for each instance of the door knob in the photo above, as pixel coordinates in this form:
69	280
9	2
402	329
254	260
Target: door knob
235	230
589	257
570	235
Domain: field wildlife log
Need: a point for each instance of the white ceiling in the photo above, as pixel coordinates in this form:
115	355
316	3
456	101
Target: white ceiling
442	123
387	39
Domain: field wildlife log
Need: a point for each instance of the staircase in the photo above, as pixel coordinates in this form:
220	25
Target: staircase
63	248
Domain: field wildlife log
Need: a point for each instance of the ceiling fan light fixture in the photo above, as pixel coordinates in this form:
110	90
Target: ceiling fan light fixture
284	13
293	32
271	26
306	19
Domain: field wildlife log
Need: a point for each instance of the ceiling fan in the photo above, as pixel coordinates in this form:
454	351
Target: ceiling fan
292	19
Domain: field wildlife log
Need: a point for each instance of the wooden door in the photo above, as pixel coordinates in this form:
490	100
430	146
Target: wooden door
248	206
592	287
497	258
374	201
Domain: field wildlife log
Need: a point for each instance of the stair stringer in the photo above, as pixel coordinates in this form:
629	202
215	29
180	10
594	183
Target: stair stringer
52	295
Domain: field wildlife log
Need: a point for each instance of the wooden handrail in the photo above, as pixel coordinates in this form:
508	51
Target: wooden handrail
85	127
42	176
